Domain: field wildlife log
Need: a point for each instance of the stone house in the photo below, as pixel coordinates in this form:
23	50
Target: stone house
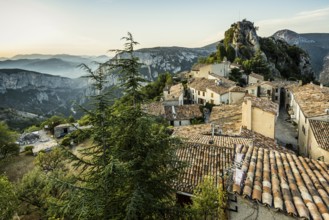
203	90
64	129
265	90
174	95
254	78
182	115
259	115
318	140
203	70
308	102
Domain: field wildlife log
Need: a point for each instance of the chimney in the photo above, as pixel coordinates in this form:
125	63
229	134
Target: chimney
300	82
321	86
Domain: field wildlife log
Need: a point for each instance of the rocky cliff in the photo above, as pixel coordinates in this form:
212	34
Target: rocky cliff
40	94
316	45
277	57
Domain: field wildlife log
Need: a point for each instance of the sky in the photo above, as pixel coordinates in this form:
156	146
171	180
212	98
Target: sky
92	27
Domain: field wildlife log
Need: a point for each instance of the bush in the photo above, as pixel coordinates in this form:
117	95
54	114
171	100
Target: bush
29	150
77	137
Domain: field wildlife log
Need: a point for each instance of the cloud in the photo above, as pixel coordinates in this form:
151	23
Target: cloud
302	22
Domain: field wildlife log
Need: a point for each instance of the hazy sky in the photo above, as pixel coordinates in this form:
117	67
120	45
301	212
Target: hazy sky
91	27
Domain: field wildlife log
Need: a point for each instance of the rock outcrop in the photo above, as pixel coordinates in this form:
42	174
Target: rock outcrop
41	94
316	45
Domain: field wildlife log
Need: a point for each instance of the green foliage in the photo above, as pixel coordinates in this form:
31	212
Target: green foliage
236	76
28	150
230	53
221	52
154	90
53	122
128	170
7	141
8	199
32	129
77	136
208	200
84	120
228	39
70	119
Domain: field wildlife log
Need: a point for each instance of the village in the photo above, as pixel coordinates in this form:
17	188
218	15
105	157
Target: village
267	142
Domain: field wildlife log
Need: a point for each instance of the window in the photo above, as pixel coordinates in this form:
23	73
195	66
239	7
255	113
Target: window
303	130
198	92
276	98
212	95
203	93
276	90
211	101
252	91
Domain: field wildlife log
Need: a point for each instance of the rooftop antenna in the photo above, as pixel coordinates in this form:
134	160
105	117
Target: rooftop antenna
212	133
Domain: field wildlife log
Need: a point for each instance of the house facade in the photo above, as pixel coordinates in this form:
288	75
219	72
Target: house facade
318	140
307	102
182	115
203	70
215	91
259	115
254	78
173	95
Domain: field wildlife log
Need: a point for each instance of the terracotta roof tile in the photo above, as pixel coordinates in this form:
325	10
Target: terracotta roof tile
154	108
257	76
312	99
182	112
265	105
320	130
284	181
175	92
202	160
202	84
229	117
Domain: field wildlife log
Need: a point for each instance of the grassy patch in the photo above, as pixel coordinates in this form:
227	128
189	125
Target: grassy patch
15	167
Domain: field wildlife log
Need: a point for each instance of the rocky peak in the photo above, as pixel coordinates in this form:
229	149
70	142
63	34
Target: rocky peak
245	34
291	37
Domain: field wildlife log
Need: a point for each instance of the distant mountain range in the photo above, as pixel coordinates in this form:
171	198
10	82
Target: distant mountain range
155	61
61	64
316	45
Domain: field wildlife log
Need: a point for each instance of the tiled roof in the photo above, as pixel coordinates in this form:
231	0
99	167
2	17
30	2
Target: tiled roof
224	80
228	116
261	84
320	130
221	140
260	140
237	89
257	76
182	112
175	92
312	99
294	185
154	108
202	160
265	105
202	134
202	84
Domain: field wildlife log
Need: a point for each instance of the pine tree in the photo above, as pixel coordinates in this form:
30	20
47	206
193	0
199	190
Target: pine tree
128	171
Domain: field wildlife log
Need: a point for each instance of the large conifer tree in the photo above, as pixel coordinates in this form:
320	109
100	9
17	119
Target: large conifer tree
128	171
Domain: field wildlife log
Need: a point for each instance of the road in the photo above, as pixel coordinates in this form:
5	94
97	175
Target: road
285	131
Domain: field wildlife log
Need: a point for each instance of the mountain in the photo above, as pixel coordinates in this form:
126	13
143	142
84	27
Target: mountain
268	56
169	59
316	45
41	94
155	61
61	64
